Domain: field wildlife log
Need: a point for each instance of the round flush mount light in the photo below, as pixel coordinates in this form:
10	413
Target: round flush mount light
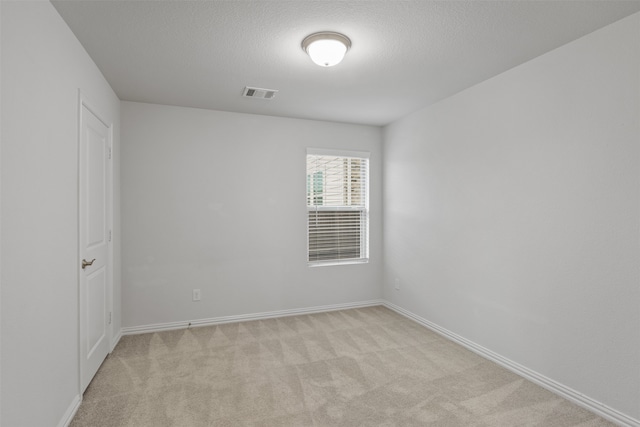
326	48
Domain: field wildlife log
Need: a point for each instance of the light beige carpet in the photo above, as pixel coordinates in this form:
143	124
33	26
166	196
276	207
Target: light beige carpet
359	367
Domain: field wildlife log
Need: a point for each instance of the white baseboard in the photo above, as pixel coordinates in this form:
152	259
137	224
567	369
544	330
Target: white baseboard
70	412
560	389
115	340
132	330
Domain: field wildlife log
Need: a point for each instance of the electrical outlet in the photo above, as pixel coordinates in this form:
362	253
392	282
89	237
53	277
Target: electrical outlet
196	294
397	284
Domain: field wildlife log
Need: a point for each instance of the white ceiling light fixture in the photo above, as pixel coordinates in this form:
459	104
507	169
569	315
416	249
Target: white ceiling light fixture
326	48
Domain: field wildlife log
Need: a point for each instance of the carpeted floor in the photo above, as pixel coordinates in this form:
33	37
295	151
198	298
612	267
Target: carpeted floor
359	367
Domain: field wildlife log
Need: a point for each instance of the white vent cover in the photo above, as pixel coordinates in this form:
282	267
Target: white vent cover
258	93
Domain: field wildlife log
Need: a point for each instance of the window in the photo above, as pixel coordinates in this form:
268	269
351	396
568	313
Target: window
337	207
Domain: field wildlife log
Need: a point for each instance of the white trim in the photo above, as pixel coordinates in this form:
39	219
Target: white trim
560	389
110	244
333	262
83	102
337	153
78	248
157	327
70	412
115	341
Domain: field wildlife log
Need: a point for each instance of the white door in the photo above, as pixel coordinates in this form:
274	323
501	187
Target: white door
94	243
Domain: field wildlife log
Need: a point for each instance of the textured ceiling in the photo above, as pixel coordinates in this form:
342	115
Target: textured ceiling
405	54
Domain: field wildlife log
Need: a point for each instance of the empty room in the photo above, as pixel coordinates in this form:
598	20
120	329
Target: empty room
319	213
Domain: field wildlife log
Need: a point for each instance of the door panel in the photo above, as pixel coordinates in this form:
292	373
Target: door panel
96	292
94	243
96	184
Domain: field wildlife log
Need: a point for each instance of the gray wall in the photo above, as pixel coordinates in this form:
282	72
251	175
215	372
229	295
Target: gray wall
216	201
511	215
43	66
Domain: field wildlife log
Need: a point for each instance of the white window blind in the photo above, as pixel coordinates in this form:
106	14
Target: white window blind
338	208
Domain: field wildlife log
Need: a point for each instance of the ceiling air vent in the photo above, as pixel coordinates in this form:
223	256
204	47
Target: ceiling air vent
258	93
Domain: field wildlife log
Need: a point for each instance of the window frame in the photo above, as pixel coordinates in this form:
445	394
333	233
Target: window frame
365	220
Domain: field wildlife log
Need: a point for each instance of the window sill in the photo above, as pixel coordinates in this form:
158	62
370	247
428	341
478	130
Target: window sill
337	262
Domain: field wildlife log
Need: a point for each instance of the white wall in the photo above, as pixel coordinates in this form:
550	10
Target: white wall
512	215
43	65
216	201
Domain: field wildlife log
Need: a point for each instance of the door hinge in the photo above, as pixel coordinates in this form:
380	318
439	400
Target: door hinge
109	153
109	318
109	235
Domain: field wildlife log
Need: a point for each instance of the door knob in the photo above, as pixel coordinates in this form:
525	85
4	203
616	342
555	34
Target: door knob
86	263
